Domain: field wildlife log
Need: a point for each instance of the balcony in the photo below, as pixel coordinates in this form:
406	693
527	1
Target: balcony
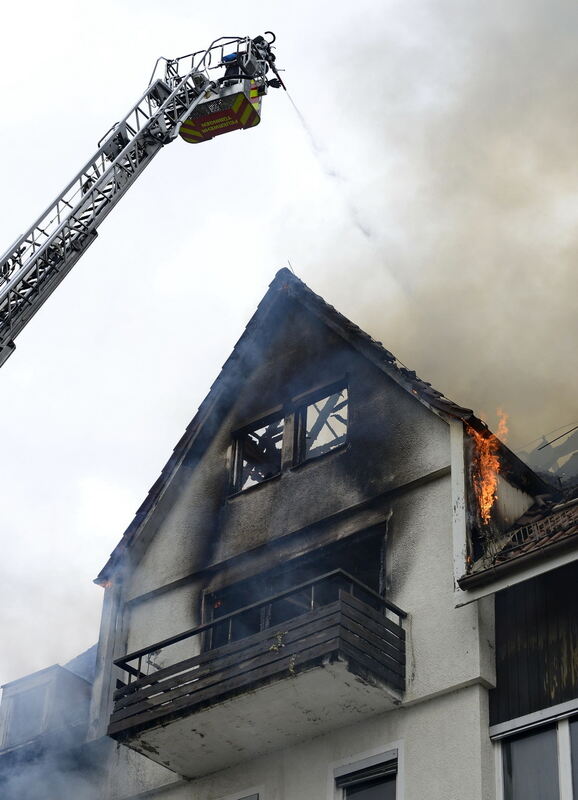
332	652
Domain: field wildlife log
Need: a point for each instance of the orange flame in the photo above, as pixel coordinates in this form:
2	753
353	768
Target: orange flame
486	465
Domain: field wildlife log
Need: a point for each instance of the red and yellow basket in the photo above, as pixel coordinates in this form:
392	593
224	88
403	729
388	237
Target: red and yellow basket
219	115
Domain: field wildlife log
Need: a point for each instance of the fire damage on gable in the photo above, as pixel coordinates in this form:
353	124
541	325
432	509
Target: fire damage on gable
548	527
498	485
290	572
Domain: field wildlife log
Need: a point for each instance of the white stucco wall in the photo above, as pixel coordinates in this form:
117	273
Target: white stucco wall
447	646
444	754
442	724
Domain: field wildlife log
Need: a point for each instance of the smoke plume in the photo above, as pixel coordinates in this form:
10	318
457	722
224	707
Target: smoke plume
475	110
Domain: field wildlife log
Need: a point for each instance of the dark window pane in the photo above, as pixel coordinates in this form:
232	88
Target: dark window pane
229	600
246	624
328	591
290	606
377	789
325	425
574	746
531	766
259	454
218	636
360	555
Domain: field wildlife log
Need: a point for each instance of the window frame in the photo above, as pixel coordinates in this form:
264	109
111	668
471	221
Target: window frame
293	416
236	472
536	722
391	760
254	794
299	454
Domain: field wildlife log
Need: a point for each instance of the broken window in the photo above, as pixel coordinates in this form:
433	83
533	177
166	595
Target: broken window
321	425
258	453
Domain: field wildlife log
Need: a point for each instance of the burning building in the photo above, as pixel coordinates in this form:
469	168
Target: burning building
342	585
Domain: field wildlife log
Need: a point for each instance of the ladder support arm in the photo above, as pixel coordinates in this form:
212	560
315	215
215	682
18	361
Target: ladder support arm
39	259
32	268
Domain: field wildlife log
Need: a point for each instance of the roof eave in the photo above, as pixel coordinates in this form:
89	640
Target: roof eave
514	565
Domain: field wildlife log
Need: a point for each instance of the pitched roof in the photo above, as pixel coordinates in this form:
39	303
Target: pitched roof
286	284
84	664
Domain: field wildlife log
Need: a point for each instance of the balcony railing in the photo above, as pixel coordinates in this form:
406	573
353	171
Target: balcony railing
278	636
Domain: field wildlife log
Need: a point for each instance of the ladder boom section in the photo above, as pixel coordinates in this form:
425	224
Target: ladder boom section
39	259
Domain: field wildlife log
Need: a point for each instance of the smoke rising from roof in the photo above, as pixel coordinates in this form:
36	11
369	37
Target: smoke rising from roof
476	111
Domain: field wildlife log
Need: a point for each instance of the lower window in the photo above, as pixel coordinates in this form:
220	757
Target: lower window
531	766
542	764
373	783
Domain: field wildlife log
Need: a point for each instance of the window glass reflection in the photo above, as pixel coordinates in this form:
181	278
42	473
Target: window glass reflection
531	766
378	789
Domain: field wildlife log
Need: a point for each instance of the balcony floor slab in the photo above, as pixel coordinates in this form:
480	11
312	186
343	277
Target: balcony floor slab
308	704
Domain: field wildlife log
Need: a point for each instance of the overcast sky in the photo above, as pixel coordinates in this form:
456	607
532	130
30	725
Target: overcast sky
439	212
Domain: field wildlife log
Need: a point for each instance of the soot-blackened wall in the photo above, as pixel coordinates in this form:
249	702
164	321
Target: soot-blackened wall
392	440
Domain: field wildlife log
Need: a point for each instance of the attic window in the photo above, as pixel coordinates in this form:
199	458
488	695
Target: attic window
322	424
258	453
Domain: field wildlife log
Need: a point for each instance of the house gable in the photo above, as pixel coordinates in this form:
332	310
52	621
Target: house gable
295	343
200	544
218	402
392	440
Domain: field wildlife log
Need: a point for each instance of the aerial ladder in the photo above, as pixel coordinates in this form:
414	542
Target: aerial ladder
200	96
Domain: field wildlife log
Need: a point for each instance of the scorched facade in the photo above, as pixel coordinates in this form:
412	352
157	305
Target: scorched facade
289	615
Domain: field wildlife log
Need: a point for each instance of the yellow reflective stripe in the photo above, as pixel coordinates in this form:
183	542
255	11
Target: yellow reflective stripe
189	125
190	129
246	113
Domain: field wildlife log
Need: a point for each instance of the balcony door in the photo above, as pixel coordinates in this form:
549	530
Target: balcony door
361	555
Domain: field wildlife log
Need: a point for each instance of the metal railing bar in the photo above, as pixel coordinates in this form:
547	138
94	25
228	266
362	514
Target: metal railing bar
99	153
120	662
